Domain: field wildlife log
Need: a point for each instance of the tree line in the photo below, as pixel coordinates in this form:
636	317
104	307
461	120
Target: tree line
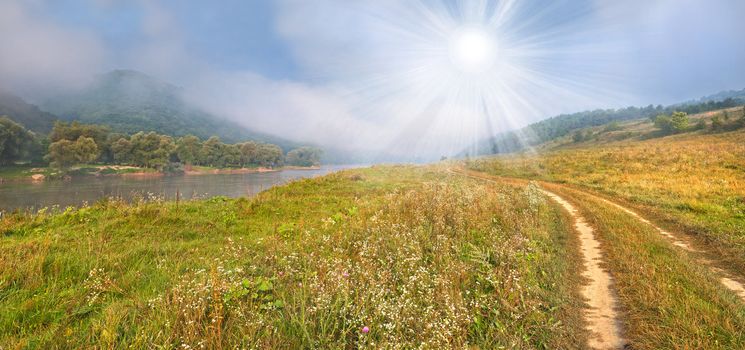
678	122
74	143
566	124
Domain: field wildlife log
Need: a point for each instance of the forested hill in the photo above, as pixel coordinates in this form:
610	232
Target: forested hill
28	115
130	101
720	96
562	125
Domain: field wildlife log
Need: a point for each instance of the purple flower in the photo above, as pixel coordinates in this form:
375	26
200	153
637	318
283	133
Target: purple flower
345	274
365	329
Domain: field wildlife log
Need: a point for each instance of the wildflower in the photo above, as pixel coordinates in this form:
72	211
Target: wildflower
345	274
365	329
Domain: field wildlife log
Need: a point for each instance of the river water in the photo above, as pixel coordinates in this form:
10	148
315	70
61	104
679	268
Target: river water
82	190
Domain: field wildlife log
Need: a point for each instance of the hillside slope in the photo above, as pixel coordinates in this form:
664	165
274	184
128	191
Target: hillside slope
130	101
26	114
562	125
692	181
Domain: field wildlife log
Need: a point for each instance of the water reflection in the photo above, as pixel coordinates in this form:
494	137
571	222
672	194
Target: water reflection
90	189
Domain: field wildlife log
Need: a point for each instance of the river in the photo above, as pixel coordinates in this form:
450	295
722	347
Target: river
81	190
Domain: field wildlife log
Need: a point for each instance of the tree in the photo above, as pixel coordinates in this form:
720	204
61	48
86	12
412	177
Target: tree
663	123
578	136
304	156
151	150
122	151
86	149
212	151
15	141
269	155
716	123
231	156
188	149
676	123
62	154
65	153
679	121
74	130
249	153
725	115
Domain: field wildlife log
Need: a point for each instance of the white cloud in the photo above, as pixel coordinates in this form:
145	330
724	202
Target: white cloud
375	75
38	53
290	109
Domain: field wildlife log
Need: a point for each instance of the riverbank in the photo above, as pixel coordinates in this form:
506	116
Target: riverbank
377	257
39	174
212	171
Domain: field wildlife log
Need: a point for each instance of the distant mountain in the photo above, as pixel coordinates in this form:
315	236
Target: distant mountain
26	114
130	101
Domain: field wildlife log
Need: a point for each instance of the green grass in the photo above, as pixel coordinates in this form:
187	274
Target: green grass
669	300
15	172
414	253
22	172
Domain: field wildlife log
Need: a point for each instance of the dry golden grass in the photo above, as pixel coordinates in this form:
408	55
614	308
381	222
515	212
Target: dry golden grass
694	183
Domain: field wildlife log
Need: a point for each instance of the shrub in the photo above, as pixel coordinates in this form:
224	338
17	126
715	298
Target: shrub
676	123
613	126
716	124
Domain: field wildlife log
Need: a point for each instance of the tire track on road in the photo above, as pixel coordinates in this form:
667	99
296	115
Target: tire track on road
601	315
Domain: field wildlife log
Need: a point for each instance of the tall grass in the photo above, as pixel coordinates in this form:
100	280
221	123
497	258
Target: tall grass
387	257
692	183
669	300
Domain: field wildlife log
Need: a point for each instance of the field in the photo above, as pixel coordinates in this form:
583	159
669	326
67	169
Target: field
459	254
392	257
690	183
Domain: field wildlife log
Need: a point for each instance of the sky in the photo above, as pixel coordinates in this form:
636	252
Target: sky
417	77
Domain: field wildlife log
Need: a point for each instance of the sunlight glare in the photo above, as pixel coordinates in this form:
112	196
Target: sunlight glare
472	50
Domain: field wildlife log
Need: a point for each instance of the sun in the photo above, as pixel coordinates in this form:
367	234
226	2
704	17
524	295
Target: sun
472	50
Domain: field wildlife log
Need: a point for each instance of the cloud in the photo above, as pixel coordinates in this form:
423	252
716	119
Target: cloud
378	76
38	53
314	114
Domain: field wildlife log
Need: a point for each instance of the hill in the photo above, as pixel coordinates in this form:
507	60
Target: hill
690	189
26	114
720	96
130	101
692	179
562	125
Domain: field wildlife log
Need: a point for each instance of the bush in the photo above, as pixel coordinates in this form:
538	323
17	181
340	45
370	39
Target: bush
674	124
614	126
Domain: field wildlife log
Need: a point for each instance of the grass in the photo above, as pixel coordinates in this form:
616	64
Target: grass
421	257
24	172
13	172
692	183
669	301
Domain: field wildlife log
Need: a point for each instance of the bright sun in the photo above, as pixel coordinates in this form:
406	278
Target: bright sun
472	50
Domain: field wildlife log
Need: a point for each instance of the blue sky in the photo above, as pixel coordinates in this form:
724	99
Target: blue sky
232	34
377	74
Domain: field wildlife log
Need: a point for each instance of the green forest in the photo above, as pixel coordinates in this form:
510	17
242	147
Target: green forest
74	143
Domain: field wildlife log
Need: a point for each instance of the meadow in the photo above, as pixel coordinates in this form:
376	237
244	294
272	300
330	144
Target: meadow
385	257
691	183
